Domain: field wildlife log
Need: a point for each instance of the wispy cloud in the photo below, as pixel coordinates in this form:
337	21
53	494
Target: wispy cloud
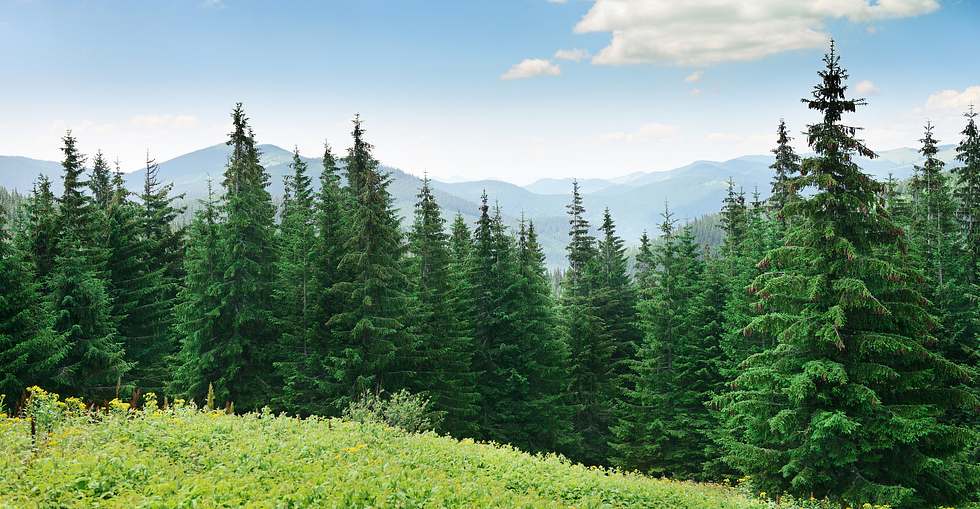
704	33
575	55
866	87
958	100
694	77
531	67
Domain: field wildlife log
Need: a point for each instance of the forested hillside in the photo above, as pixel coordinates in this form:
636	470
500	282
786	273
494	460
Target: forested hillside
817	338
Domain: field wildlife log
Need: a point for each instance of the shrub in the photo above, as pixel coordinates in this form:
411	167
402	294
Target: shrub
410	412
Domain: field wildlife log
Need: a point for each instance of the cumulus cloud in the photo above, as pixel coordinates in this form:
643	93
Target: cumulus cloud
652	131
711	31
165	121
531	67
866	87
694	77
954	99
575	55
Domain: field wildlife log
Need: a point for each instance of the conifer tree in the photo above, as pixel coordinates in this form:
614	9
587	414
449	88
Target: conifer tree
734	221
443	348
296	286
545	354
663	424
244	341
614	294
37	230
30	351
200	360
372	346
134	288
968	192
308	385
592	349
81	304
845	404
785	167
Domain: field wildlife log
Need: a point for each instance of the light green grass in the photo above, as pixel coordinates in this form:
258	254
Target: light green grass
188	458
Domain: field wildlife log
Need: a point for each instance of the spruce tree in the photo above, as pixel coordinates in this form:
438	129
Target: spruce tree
30	351
443	347
614	294
968	192
200	359
243	343
663	425
295	291
308	386
846	405
81	304
785	167
372	346
37	230
592	349
545	354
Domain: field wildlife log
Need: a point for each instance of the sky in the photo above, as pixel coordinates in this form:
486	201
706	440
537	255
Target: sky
516	90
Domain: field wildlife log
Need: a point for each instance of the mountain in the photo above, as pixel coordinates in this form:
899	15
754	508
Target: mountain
635	200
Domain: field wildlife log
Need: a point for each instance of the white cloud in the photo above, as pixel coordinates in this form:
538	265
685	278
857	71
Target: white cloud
531	67
711	31
575	55
866	87
695	92
164	121
652	131
557	1
954	99
694	77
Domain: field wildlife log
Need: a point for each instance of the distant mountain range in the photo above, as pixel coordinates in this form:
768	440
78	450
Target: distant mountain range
635	201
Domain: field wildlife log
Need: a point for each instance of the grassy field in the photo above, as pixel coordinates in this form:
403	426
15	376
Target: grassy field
190	458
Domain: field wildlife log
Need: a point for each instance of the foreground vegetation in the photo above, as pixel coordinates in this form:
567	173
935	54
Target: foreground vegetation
184	457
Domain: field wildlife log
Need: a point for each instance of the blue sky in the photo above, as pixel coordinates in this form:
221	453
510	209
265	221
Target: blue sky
706	80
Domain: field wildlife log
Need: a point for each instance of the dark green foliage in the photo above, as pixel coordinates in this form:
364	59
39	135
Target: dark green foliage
37	230
734	221
371	347
785	167
79	299
307	382
847	403
663	424
200	359
614	295
592	348
443	347
968	192
30	351
240	345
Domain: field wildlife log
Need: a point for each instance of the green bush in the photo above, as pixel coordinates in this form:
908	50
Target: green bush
404	410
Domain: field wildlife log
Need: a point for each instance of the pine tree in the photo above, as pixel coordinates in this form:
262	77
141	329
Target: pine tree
845	405
372	346
545	355
734	221
615	296
785	167
37	230
30	351
134	290
663	424
968	192
295	290
443	348
243	343
80	302
101	182
591	347
200	359
307	381
165	248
